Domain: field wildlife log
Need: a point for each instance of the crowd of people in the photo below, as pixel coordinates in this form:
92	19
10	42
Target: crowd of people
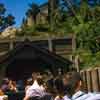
62	87
46	86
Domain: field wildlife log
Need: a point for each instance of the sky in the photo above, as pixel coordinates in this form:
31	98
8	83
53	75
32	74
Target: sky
18	8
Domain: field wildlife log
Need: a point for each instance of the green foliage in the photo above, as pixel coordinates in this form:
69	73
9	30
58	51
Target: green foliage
33	11
42	28
86	58
82	21
5	20
85	25
2	9
89	60
27	31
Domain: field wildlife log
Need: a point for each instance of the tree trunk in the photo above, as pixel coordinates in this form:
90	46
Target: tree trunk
53	5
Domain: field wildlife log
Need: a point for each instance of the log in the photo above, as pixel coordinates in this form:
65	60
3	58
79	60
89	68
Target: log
89	80
95	80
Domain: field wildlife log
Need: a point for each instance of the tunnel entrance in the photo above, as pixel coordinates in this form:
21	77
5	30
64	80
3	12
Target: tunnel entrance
27	58
21	69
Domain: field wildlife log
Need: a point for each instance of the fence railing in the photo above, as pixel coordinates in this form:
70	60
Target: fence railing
91	78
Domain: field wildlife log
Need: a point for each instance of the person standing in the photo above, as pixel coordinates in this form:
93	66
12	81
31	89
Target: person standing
37	89
76	90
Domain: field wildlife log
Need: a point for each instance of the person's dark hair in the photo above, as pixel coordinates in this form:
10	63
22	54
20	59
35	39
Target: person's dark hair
40	80
67	86
34	98
50	87
5	81
59	86
74	80
47	97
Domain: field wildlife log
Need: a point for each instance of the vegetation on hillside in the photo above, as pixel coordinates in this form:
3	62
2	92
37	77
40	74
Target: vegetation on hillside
82	20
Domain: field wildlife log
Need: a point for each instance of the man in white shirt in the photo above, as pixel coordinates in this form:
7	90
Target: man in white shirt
76	84
94	96
81	96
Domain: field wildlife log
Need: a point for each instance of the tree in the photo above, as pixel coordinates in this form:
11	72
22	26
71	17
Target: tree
32	13
52	9
2	9
84	22
5	21
29	23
